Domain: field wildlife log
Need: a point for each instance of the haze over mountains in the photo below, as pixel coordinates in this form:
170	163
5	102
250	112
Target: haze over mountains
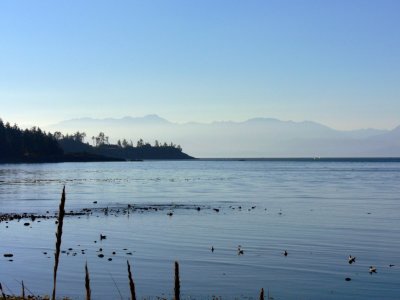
258	137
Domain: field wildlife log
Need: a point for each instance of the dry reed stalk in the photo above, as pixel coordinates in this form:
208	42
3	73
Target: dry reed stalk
177	288
131	283
23	290
262	294
2	292
87	283
61	213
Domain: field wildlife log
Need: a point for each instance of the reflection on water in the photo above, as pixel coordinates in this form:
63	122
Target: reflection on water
320	212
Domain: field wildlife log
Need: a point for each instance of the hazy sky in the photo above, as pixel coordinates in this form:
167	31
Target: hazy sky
334	62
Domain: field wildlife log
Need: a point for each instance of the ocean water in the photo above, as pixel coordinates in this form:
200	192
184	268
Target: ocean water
319	211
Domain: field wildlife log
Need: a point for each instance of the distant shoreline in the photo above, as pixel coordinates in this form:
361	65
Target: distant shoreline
309	159
69	157
83	159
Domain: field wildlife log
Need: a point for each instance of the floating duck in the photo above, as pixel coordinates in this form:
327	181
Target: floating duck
285	253
212	248
352	259
102	237
240	250
372	269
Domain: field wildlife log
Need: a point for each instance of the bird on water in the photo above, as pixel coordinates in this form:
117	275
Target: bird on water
352	259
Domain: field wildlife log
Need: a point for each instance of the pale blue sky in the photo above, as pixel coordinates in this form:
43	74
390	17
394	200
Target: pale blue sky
334	62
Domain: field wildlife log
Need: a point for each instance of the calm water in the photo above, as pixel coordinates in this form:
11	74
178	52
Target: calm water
320	212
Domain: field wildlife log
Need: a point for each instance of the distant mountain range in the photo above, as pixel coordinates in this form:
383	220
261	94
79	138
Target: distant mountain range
258	137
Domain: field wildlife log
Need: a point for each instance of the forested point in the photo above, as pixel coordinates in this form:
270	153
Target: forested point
35	145
124	149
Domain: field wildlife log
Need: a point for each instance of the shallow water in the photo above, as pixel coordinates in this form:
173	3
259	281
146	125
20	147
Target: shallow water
320	212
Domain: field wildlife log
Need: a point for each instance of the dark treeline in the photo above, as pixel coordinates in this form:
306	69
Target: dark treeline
35	145
102	140
123	149
29	144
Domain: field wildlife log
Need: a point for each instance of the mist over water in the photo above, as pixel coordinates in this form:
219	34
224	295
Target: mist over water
320	212
257	137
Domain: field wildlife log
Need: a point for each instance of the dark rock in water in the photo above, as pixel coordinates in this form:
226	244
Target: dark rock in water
198	208
216	209
27	224
8	255
347	279
129	253
94	202
70	249
113	253
110	259
101	255
170	214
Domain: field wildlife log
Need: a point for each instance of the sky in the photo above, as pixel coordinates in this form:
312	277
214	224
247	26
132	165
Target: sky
333	62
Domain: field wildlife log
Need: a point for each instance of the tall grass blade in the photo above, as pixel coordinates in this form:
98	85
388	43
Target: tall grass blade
61	213
262	294
23	289
177	288
131	283
2	292
87	283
